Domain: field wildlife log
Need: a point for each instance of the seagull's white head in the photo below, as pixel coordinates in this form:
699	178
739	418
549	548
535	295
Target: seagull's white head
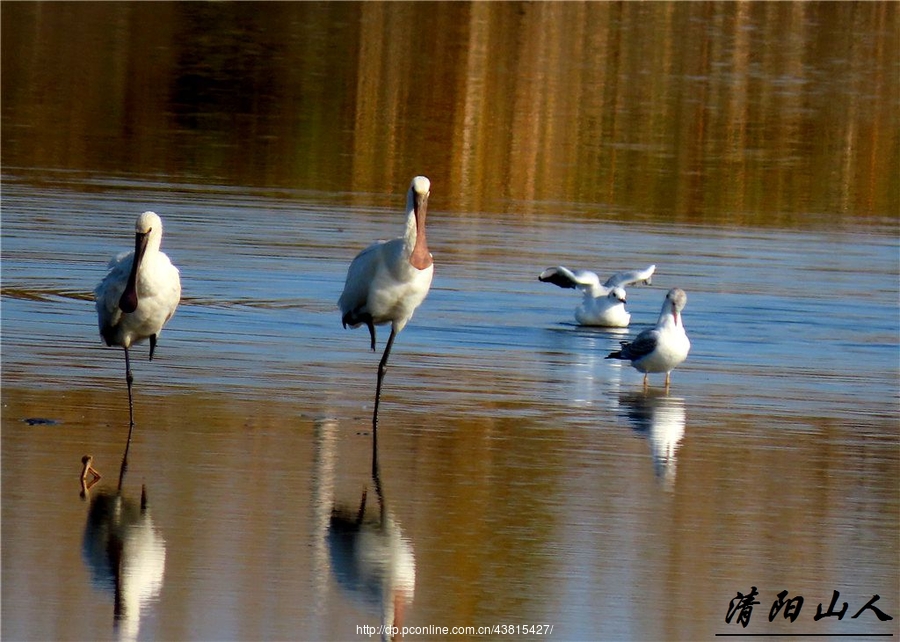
676	299
617	294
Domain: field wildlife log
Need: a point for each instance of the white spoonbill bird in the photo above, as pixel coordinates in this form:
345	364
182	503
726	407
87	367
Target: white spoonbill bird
661	348
138	295
388	280
602	305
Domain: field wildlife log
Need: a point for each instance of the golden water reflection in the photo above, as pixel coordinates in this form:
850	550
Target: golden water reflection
507	518
744	113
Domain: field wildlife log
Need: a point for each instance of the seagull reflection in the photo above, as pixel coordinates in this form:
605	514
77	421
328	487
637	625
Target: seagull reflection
370	558
661	418
124	551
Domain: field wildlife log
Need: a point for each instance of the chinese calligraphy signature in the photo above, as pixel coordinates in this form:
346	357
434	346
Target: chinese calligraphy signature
742	606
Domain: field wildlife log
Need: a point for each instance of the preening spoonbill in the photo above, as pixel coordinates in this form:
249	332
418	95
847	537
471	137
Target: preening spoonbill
388	280
602	305
661	348
138	295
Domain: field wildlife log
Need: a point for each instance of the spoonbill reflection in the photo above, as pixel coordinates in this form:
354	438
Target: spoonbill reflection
138	295
388	280
124	551
371	559
601	305
663	347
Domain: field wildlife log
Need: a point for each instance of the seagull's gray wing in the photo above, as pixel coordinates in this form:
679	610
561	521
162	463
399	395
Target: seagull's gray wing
630	277
643	344
566	278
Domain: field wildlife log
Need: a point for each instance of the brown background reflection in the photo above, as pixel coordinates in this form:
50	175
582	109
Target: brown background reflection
749	113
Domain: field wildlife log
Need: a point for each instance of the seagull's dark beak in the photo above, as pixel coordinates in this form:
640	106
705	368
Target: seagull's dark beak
128	303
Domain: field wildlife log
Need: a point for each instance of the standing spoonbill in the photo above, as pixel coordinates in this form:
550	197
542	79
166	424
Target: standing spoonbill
388	280
138	296
661	348
602	305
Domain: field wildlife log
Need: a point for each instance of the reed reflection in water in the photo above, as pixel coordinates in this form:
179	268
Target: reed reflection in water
749	113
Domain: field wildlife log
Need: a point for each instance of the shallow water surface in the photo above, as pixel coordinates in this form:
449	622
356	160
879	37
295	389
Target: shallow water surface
749	150
520	479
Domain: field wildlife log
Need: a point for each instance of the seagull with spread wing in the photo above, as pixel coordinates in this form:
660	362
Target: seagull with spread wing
602	305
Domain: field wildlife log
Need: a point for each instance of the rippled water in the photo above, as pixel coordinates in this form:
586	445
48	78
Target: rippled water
522	478
749	150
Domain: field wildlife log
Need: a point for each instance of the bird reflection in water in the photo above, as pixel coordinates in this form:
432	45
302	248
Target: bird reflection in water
122	548
661	419
370	558
89	476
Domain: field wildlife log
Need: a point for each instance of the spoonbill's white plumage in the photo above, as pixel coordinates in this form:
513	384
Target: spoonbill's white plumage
663	347
601	305
138	295
388	280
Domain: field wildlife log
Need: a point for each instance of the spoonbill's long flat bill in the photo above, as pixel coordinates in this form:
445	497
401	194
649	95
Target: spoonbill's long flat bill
388	280
601	305
138	295
663	347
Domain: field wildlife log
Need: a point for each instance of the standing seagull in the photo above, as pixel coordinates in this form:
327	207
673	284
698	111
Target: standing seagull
388	280
663	347
138	296
602	305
